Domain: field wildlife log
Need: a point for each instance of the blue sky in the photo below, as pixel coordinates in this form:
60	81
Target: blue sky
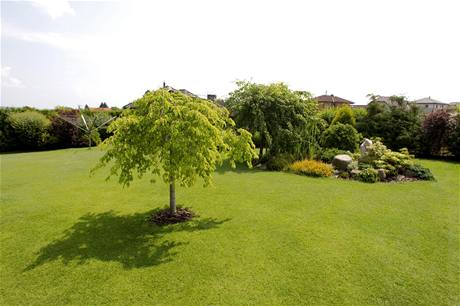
56	52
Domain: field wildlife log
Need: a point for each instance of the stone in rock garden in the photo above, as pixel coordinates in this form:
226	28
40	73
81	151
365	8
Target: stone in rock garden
382	174
341	161
355	172
363	147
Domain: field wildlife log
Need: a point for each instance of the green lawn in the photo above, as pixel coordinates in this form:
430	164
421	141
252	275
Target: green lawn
262	238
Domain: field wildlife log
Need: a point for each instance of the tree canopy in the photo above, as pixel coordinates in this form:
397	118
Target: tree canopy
278	115
176	137
398	125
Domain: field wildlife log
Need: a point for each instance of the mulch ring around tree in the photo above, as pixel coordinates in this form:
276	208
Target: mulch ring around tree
165	216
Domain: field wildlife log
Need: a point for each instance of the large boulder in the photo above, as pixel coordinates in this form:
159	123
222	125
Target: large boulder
363	147
341	162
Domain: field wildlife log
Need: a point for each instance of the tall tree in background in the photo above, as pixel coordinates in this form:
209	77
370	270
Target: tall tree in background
437	128
277	114
398	124
176	137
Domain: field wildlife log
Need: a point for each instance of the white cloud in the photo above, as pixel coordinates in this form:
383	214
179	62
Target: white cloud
8	80
64	41
55	8
350	49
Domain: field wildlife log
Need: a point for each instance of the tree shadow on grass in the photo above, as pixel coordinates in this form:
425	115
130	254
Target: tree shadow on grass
127	239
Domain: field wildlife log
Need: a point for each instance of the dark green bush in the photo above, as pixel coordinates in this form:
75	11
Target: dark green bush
454	139
419	172
7	141
341	136
368	175
327	154
30	129
279	162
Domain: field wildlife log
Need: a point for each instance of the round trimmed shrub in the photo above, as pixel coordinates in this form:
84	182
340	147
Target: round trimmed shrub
419	172
341	136
368	175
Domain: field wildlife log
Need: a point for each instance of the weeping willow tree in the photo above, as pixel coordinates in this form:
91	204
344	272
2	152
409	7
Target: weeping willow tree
176	137
279	116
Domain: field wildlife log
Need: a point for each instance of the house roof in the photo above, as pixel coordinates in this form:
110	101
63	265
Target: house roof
428	100
384	99
332	99
170	89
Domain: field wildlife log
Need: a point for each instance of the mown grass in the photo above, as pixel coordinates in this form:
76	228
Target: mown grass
261	238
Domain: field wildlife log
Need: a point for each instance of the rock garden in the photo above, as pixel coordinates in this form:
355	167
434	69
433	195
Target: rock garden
377	163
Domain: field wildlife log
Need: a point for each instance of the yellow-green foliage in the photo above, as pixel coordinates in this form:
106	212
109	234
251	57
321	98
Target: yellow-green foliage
176	137
311	168
381	157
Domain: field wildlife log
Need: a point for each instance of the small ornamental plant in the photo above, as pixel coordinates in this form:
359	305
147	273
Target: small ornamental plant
311	168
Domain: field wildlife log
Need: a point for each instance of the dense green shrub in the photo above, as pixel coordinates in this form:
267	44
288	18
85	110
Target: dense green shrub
359	114
311	168
368	175
341	136
279	162
7	141
344	115
437	128
328	115
419	172
394	162
380	157
454	141
30	129
327	154
399	125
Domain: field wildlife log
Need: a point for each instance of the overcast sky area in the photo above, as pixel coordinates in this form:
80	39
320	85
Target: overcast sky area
86	52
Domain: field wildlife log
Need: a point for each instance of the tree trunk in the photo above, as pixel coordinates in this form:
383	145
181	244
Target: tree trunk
172	195
89	143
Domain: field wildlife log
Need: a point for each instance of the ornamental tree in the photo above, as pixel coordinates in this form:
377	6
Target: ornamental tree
278	115
176	137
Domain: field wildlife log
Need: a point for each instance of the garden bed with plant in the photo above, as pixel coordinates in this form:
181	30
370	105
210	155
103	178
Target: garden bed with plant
377	163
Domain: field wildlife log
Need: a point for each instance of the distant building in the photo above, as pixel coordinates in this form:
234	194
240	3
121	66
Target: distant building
429	105
330	101
387	100
172	89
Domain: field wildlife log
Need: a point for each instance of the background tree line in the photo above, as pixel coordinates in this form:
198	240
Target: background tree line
286	125
28	128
